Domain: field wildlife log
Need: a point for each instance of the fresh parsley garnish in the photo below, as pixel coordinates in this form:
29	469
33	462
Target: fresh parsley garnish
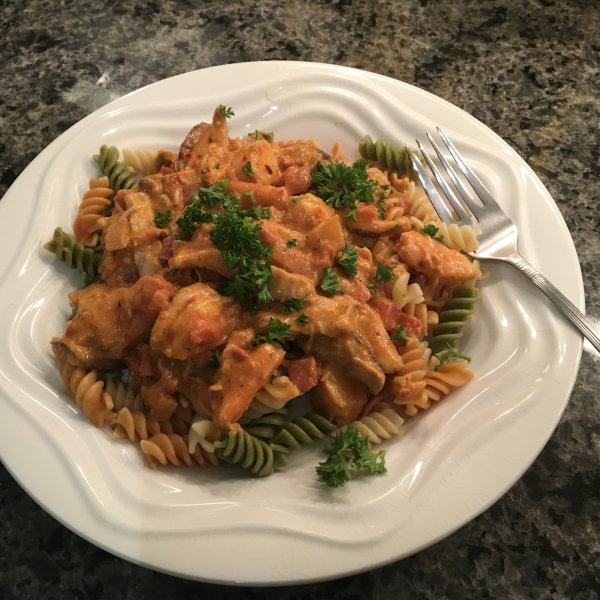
348	260
227	112
383	273
399	334
431	230
330	281
302	320
277	333
349	448
254	310
342	186
237	235
217	166
262	135
171	272
247	168
214	361
371	288
161	220
291	243
445	355
294	305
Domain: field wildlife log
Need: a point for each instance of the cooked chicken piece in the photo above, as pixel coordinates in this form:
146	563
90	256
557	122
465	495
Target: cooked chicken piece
285	286
255	194
158	396
442	265
326	238
244	370
199	253
198	319
298	154
110	320
262	157
305	213
339	395
368	223
297	180
351	353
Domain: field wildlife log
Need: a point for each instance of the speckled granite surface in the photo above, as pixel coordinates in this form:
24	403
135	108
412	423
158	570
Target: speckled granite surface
529	70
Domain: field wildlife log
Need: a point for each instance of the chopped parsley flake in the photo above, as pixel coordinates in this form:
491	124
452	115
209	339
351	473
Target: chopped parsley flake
445	355
330	281
431	230
254	310
342	186
262	135
383	273
247	168
161	220
294	305
227	112
348	260
277	333
214	361
399	334
171	272
291	243
302	320
371	289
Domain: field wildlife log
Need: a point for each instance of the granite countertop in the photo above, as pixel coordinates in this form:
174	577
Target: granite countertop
528	70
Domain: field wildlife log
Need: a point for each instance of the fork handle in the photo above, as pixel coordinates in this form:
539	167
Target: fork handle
585	325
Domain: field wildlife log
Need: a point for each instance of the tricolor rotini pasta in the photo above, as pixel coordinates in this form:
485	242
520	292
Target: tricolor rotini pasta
231	283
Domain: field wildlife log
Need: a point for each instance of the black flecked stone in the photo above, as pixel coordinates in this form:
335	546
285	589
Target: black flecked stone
529	70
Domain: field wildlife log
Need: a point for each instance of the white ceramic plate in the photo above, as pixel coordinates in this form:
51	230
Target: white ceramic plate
451	463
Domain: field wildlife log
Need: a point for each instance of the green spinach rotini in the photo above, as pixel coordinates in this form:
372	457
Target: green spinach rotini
118	174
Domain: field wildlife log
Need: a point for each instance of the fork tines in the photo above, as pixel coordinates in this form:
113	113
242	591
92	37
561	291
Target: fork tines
438	203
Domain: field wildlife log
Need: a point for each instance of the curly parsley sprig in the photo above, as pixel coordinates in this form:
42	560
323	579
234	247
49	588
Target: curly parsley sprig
237	235
349	448
342	186
277	333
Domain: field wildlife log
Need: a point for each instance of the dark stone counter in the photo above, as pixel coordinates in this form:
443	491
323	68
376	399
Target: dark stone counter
528	70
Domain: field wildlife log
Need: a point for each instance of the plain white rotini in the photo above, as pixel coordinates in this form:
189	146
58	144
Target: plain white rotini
124	396
421	205
141	162
165	448
203	432
380	425
404	293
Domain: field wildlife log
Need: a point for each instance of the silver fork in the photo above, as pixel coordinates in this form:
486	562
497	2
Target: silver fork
498	240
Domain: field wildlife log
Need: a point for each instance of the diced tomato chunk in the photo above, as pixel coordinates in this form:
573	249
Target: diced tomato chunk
304	373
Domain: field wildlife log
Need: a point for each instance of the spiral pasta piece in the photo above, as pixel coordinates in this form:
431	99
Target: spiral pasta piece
449	376
87	390
275	394
141	162
73	253
203	432
118	174
268	425
380	425
384	153
135	424
302	430
124	395
243	449
462	238
165	448
421	205
92	208
453	317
